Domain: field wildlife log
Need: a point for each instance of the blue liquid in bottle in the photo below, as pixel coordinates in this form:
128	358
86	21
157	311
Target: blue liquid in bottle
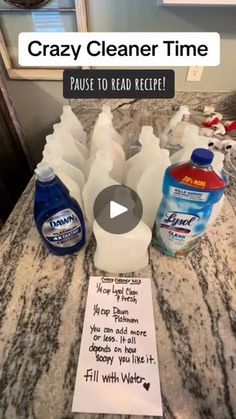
58	217
190	191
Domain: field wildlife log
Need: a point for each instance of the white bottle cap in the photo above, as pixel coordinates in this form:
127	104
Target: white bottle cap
44	172
67	108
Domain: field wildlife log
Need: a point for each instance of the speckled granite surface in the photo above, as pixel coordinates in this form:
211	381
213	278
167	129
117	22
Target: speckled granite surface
42	302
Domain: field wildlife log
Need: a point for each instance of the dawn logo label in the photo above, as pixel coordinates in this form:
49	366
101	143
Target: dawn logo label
61	222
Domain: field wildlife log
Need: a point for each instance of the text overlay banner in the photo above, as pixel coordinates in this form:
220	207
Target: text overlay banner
123	49
114	84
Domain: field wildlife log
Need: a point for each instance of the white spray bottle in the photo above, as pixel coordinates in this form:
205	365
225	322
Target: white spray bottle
172	124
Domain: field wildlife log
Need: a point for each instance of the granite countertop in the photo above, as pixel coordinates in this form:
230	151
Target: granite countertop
43	297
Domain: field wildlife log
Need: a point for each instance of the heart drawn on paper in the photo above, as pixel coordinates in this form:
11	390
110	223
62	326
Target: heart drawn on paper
146	386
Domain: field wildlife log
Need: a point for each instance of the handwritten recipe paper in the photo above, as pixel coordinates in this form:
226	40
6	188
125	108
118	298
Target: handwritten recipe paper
118	368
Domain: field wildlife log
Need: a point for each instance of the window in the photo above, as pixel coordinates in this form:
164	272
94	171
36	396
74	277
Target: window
47	22
56	16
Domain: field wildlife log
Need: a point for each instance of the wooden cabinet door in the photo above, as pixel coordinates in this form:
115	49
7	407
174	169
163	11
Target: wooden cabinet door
14	169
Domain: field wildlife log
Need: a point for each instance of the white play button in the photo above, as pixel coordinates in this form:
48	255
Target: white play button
116	209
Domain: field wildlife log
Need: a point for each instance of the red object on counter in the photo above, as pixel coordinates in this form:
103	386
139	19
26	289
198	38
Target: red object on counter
209	124
230	126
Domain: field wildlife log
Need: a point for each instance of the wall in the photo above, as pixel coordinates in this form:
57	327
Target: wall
149	15
38	104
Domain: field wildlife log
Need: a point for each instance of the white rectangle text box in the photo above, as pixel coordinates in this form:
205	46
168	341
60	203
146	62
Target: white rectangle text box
123	49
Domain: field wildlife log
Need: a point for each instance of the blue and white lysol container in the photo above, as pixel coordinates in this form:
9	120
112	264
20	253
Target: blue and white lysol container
190	190
58	217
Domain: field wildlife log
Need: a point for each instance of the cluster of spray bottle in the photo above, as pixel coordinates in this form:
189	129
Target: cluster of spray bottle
181	194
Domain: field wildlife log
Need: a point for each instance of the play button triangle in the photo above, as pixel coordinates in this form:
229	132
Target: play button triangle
116	209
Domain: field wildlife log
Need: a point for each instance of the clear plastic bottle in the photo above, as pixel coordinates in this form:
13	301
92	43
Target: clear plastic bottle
58	217
72	124
102	139
68	152
99	179
149	154
58	164
190	191
149	188
63	134
122	253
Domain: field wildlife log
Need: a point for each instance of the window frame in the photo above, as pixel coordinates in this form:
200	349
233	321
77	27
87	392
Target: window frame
41	73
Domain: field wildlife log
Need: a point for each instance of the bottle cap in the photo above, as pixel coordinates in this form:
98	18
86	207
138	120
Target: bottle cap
202	156
44	172
66	108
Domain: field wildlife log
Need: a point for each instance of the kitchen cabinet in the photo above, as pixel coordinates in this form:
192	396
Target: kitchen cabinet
14	169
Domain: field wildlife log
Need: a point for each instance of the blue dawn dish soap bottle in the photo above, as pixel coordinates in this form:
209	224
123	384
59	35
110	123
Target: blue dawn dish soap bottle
58	217
190	191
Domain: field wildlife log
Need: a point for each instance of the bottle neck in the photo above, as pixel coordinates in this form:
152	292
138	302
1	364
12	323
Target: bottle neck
52	186
207	168
49	182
